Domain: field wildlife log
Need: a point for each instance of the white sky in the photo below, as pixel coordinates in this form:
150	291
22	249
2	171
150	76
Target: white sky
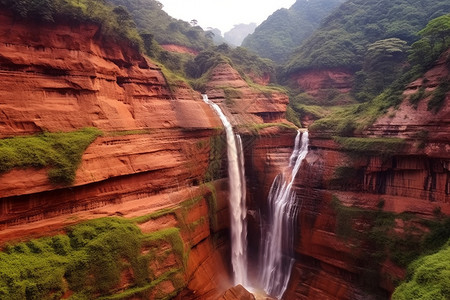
223	14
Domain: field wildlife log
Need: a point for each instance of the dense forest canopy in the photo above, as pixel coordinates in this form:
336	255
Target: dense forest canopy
285	29
388	55
343	38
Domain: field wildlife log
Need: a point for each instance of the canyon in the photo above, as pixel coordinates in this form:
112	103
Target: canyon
160	162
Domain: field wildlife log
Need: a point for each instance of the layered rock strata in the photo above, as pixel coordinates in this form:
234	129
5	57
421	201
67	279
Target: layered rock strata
161	147
355	202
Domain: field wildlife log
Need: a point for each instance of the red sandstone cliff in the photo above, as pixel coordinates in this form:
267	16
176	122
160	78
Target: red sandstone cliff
413	182
153	155
242	103
318	83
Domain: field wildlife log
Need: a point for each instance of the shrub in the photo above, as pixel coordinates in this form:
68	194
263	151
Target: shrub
428	278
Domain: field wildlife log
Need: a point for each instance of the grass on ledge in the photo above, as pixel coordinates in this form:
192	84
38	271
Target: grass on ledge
257	127
376	146
61	152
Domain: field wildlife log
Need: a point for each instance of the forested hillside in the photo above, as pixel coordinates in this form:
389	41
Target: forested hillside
151	19
285	29
433	46
343	38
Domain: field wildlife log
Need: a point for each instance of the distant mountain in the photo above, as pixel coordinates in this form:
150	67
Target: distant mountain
285	29
238	33
216	35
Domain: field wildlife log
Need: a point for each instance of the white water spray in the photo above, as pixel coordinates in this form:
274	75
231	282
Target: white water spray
277	238
237	189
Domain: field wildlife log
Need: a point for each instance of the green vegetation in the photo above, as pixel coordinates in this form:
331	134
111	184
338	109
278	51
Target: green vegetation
383	64
434	41
291	116
351	119
437	100
61	152
244	61
315	111
151	19
114	22
88	260
428	278
255	128
371	146
285	29
217	146
414	99
345	35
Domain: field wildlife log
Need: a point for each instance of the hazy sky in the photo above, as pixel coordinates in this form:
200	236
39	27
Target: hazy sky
223	14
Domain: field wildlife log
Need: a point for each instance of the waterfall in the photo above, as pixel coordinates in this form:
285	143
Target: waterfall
277	236
237	191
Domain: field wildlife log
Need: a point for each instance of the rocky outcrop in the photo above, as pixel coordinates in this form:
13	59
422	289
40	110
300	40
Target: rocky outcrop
419	122
237	293
179	49
318	83
245	104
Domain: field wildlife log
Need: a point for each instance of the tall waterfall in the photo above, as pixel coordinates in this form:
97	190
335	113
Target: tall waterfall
277	238
237	196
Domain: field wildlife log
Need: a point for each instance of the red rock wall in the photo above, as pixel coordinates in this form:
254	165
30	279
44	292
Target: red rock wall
415	180
329	266
153	155
242	103
314	82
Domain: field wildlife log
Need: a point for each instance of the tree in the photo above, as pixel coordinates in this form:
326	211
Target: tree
438	31
382	64
435	40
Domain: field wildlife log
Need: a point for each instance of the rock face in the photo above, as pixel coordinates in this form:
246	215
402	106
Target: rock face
416	121
160	147
179	49
345	195
244	103
161	156
317	82
153	155
237	293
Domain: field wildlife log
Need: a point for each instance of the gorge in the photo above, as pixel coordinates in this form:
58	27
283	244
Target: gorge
164	201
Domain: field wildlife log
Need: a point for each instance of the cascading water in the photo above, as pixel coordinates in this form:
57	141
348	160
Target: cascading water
277	238
236	179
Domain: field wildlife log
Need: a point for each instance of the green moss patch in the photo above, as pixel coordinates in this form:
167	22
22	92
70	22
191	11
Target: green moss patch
428	278
61	152
88	261
375	146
